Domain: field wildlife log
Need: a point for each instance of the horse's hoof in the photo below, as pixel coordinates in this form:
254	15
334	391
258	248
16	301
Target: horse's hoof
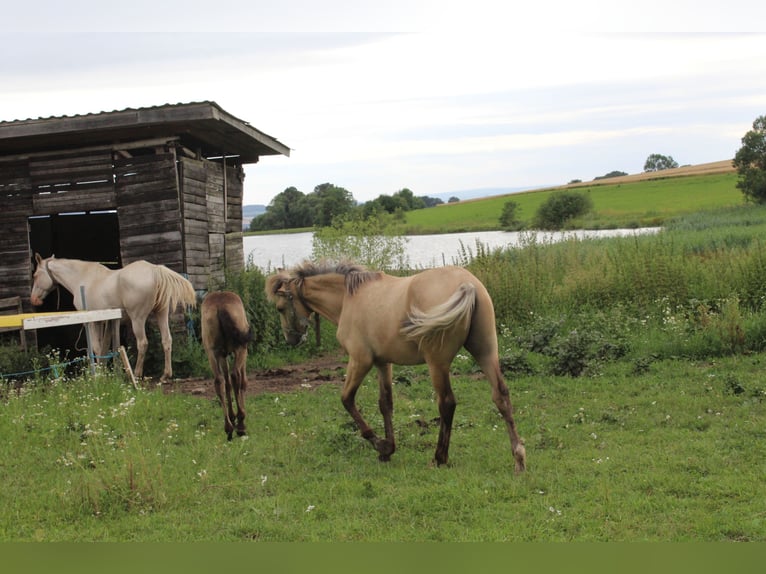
384	457
435	463
520	454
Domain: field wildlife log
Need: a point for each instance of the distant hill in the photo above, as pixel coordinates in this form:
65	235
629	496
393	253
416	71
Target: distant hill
250	211
723	166
480	192
253	210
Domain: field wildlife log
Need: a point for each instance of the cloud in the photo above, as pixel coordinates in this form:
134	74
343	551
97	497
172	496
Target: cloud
486	97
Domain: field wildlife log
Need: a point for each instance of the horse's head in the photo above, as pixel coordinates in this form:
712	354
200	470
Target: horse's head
283	291
42	281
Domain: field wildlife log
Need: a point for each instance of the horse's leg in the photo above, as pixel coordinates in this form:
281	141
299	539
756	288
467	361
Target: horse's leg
228	382
142	343
355	373
219	380
239	381
501	397
104	337
167	342
386	403
445	400
96	340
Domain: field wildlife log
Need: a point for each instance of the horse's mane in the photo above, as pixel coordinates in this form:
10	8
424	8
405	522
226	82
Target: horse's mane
355	275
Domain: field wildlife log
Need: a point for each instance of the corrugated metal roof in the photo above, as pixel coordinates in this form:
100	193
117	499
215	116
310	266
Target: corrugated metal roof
202	126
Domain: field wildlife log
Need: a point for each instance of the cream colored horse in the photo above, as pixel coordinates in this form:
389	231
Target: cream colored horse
381	319
139	289
226	332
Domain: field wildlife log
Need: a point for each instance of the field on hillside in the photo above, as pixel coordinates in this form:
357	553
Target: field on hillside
642	200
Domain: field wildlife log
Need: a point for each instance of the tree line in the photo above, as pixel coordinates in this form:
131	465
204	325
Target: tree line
292	209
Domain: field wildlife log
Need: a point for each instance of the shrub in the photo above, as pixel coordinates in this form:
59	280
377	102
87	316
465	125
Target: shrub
509	218
560	207
371	242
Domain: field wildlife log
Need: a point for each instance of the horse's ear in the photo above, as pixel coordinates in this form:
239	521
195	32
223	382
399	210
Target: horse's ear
38	259
273	283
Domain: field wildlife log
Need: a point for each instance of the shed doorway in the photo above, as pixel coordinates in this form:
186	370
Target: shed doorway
91	236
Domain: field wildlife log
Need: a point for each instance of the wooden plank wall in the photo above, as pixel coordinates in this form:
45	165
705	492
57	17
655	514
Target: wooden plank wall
235	258
210	247
195	221
148	209
15	206
43	185
215	223
72	181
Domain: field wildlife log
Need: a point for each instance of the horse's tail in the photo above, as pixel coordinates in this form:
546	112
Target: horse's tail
428	327
231	329
172	289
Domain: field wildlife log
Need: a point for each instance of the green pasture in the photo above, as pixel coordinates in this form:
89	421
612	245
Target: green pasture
674	454
635	366
638	204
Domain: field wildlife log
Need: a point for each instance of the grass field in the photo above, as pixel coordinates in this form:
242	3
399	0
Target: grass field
633	201
638	388
675	454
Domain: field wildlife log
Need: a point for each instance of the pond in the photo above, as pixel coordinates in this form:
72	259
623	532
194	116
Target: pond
269	252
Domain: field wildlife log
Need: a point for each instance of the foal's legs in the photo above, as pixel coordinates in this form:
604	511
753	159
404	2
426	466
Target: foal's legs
355	373
220	379
239	383
445	400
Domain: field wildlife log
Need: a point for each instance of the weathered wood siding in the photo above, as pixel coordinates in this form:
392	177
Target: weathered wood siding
15	205
72	181
148	209
209	247
235	254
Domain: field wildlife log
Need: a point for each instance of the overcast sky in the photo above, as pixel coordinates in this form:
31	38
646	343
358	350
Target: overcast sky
435	96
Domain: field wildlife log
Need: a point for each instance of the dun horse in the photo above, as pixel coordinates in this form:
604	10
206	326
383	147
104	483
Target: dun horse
139	289
225	332
383	319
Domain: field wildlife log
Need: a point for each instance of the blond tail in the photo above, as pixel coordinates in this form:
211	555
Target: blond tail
426	328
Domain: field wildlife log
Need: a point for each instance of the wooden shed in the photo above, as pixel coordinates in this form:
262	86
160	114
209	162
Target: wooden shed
162	183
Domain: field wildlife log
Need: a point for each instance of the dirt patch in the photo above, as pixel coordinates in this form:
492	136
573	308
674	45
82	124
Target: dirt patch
328	369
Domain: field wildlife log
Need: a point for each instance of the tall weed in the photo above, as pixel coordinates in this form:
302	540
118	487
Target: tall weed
696	288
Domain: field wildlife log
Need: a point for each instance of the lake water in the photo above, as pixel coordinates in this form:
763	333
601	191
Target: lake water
271	251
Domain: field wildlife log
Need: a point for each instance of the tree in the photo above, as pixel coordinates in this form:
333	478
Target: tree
508	217
431	201
611	174
658	162
288	210
409	200
330	201
750	161
560	207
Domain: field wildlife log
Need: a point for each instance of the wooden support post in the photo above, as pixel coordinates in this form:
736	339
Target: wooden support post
126	365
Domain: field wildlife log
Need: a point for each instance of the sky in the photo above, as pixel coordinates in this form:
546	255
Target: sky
435	96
